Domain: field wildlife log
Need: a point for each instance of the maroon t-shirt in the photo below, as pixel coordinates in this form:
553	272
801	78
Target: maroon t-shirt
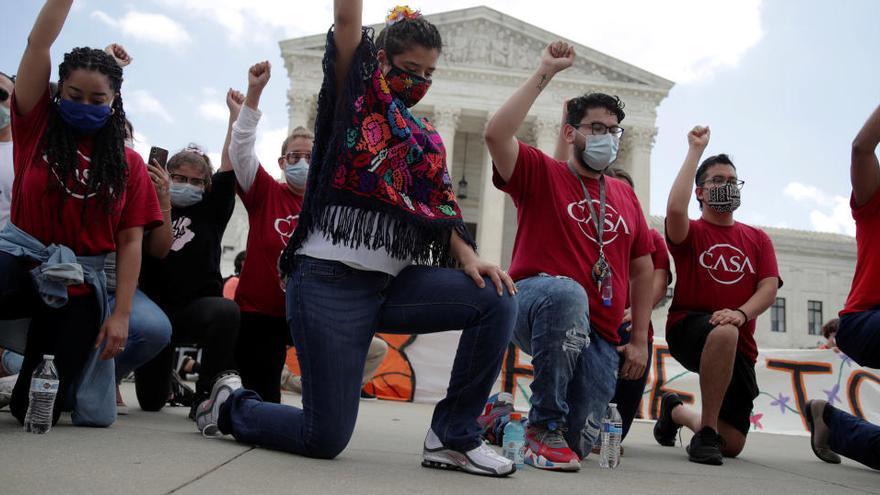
273	211
557	236
865	291
718	267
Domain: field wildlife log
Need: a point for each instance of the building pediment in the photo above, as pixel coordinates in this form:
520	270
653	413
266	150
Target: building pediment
481	38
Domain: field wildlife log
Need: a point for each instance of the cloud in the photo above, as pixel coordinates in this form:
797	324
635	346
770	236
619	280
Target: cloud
139	103
269	149
142	145
213	111
143	26
828	213
684	40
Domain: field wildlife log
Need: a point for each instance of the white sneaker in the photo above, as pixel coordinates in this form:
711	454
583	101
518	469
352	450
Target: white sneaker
482	460
7	383
209	411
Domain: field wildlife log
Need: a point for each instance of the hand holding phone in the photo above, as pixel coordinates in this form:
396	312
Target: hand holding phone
159	155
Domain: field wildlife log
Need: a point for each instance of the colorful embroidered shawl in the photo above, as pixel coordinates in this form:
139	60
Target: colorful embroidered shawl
374	161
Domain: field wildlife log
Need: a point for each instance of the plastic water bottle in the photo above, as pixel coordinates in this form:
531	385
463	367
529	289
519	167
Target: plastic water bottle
514	440
612	430
44	388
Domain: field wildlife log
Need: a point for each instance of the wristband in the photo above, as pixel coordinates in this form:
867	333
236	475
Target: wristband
744	315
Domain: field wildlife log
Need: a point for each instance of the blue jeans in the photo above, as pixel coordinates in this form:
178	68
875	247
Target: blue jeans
149	331
575	370
853	437
334	311
858	336
11	362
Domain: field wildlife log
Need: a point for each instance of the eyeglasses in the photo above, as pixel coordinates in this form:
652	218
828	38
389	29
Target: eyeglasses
182	179
719	181
295	156
4	95
598	129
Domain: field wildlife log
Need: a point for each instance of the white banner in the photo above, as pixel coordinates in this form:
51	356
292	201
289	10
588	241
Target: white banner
418	369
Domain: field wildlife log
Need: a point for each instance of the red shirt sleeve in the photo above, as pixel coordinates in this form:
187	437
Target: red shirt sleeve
141	208
27	130
643	243
257	192
869	209
660	256
529	174
767	267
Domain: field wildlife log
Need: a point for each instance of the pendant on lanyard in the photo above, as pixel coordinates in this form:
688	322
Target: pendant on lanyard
601	270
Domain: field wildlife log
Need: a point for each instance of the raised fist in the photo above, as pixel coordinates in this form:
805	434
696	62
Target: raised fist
558	56
259	74
234	100
119	54
699	137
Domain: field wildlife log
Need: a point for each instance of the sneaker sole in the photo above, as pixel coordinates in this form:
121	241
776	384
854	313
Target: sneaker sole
539	462
216	399
709	460
657	436
812	428
444	460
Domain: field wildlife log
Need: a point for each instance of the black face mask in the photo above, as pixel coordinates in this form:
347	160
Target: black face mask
406	86
723	199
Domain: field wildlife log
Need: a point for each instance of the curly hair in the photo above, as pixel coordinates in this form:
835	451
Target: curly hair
400	36
108	173
577	107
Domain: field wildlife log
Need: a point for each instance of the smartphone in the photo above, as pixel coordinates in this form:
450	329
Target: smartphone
158	154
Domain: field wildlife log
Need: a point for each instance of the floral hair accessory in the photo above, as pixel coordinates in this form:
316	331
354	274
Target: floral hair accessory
400	13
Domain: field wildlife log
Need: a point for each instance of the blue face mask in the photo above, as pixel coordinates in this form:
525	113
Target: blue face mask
297	174
183	195
600	151
5	116
84	118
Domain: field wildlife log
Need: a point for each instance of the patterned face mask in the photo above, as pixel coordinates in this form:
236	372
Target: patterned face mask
406	86
724	199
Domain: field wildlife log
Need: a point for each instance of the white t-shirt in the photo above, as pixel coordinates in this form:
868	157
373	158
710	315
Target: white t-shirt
7	175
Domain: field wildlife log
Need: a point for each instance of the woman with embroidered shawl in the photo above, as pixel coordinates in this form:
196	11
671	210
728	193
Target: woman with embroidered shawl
378	231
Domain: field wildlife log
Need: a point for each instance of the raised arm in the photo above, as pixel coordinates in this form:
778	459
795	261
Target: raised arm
500	133
242	152
677	222
234	100
347	25
865	171
36	64
561	151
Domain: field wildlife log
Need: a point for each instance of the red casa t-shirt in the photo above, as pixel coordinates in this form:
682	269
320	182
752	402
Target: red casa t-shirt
52	212
273	211
865	291
719	267
660	258
557	236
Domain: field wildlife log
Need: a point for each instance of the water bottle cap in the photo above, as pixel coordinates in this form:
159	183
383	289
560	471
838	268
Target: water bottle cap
612	405
515	416
48	357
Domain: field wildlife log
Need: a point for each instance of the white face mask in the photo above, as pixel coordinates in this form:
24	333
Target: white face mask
297	174
600	151
5	116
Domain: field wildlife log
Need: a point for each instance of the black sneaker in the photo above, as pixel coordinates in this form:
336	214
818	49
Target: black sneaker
705	447
665	428
181	393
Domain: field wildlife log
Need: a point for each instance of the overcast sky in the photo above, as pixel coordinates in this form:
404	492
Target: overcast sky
784	84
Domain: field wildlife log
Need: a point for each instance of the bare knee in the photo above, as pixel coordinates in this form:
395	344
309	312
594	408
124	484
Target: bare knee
734	441
725	335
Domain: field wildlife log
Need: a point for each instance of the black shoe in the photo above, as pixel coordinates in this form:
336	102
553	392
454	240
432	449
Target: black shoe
705	447
181	393
665	428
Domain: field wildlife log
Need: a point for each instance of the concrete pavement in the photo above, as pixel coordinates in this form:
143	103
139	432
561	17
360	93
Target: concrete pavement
159	453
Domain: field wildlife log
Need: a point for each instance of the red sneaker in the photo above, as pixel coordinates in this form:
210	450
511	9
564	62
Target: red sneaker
547	449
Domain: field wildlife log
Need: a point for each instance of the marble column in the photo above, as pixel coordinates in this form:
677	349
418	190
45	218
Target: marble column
446	122
299	108
490	231
640	142
546	133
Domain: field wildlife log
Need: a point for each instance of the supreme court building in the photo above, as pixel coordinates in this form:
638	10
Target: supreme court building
486	56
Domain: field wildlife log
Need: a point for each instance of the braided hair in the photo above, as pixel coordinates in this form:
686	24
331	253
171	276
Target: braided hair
108	172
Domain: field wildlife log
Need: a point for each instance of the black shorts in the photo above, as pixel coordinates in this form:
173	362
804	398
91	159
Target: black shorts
686	340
